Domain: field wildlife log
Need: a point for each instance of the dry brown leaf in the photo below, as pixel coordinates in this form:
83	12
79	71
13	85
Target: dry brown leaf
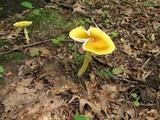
45	52
12	34
147	114
111	89
90	89
96	109
127	48
39	86
77	7
20	89
45	116
26	82
57	102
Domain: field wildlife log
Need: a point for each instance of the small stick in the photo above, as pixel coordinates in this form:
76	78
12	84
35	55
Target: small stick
146	62
94	23
24	46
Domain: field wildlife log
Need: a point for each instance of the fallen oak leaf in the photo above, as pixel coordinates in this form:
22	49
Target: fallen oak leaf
45	52
77	7
26	82
96	109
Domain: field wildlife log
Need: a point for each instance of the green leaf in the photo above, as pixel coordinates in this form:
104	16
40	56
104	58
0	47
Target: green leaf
1	8
104	13
106	22
134	95
69	24
117	70
136	103
80	117
58	39
81	22
88	20
36	12
114	34
78	57
26	4
55	41
100	73
153	37
61	38
107	73
34	52
1	69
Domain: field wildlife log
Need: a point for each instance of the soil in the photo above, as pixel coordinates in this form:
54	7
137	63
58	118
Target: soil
45	86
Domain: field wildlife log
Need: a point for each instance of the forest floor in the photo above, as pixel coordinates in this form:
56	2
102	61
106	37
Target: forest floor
38	80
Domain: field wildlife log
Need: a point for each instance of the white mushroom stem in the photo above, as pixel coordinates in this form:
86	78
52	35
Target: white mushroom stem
26	35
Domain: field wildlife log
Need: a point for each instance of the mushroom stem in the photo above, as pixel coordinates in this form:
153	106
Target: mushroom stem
85	64
26	35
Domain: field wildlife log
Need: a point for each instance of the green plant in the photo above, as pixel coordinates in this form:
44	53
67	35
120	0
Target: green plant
106	22
87	20
30	6
27	4
114	34
106	73
72	47
13	56
69	24
34	52
1	8
1	71
117	70
36	12
149	3
80	117
105	13
78	57
135	97
152	37
58	39
86	2
83	22
46	21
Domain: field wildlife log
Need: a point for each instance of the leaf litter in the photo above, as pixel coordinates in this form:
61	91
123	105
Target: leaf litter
44	85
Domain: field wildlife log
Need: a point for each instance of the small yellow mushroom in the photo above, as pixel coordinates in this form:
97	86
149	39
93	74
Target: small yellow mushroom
24	25
95	41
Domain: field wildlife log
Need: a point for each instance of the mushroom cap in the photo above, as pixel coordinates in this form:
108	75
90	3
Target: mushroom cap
95	40
79	34
22	24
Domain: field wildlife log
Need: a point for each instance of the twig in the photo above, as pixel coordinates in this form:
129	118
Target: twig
146	62
127	80
100	61
25	46
94	23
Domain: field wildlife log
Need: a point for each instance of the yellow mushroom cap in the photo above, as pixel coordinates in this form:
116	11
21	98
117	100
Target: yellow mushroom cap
95	40
22	24
79	34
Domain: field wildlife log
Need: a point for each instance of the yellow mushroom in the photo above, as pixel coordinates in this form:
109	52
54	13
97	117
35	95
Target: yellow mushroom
24	25
95	41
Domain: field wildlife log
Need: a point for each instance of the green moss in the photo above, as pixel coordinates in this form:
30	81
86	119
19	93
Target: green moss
12	56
